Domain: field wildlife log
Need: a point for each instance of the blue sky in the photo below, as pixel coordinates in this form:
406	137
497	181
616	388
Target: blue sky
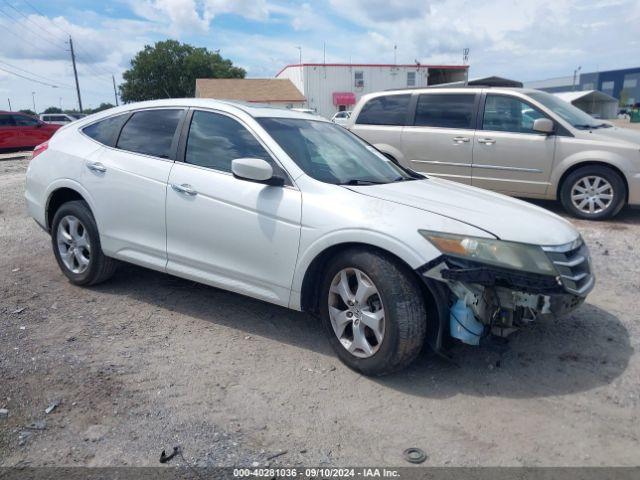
525	40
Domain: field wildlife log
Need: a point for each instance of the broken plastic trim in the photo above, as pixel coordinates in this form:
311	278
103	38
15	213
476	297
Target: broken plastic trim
468	271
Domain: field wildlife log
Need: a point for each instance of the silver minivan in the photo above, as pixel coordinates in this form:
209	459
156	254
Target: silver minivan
520	142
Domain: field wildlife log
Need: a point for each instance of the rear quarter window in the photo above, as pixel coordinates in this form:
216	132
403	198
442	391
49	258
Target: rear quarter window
106	131
385	110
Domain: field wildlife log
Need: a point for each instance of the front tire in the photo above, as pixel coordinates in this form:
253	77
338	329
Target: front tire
593	192
373	311
76	245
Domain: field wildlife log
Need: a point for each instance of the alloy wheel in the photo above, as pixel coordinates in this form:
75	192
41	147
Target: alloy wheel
356	312
592	194
74	246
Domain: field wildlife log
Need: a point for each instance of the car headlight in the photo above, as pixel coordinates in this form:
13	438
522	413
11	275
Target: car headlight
513	255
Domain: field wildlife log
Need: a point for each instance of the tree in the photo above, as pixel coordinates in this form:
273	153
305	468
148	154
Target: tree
169	69
103	106
29	112
53	110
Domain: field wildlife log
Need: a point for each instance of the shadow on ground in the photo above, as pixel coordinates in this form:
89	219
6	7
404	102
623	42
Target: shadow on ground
581	351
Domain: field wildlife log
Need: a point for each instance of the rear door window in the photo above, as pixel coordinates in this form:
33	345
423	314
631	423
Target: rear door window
106	131
150	132
385	110
445	110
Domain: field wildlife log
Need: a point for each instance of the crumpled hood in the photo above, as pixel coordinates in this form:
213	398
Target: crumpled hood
502	216
616	133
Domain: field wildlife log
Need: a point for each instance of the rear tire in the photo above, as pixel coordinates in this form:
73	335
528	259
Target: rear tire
397	300
76	245
593	192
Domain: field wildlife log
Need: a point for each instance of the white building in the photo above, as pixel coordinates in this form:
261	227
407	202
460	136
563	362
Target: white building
333	87
595	103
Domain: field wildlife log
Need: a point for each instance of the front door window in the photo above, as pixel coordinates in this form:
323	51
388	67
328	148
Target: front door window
508	114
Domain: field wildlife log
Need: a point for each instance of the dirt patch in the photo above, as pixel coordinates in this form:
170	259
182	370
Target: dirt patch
148	361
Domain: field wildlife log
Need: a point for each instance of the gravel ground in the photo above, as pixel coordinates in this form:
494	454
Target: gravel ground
148	361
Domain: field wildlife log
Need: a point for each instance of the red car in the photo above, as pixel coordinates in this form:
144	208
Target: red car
19	131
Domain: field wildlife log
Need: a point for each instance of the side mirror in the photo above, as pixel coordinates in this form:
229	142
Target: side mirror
255	170
543	125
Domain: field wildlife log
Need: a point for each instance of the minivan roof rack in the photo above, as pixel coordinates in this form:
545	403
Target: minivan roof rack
492	81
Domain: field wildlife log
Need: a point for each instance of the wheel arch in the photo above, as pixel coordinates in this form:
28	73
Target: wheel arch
587	163
60	195
434	293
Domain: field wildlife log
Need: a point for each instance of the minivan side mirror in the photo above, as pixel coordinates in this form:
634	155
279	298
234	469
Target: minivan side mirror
255	170
543	125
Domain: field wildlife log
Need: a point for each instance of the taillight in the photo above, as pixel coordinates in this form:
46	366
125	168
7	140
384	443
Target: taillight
39	149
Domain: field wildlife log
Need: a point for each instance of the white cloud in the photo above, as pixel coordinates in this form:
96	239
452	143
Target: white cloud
514	38
252	9
179	15
386	11
517	38
188	16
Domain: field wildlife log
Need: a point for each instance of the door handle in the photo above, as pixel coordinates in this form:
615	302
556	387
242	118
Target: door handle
486	141
184	189
460	140
96	167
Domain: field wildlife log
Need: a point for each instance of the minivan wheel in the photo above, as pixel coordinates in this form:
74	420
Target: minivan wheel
593	192
76	245
373	311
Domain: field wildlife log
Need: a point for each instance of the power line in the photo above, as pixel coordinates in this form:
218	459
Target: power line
31	21
22	39
97	70
94	68
43	15
30	79
40	27
67	34
48	41
35	75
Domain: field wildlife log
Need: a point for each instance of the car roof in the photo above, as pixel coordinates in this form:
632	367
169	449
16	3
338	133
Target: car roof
5	112
230	106
470	88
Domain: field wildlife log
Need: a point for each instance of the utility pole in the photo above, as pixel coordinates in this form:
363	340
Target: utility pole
9	100
115	92
465	62
75	72
33	97
301	76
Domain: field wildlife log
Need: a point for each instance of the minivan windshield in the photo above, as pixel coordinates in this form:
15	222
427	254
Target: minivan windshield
568	112
329	153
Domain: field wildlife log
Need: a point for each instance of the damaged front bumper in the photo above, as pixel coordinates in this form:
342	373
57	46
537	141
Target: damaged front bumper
488	300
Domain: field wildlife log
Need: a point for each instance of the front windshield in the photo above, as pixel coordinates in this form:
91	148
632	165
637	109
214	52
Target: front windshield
331	154
566	111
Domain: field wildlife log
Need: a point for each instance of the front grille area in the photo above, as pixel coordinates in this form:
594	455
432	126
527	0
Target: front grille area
574	266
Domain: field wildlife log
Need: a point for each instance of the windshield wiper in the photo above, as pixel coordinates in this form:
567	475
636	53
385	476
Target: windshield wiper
356	181
591	127
404	179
